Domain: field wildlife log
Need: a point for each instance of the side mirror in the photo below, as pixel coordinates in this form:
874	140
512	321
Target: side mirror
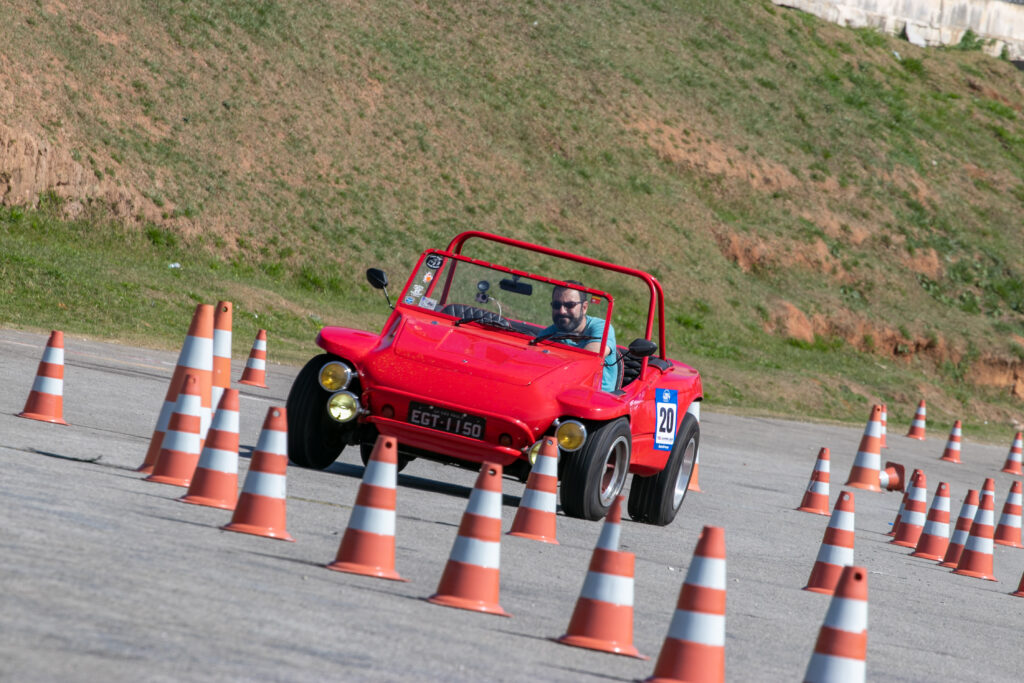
642	348
377	278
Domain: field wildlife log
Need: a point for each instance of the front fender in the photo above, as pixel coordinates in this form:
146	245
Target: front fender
588	404
346	342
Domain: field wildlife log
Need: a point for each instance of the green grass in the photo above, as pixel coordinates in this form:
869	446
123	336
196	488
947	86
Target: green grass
746	154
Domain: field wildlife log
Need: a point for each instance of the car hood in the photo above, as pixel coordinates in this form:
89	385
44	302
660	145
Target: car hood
486	354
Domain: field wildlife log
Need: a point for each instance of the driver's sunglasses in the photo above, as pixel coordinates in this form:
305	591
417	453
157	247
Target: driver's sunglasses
567	305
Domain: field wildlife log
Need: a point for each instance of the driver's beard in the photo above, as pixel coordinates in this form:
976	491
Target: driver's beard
568	323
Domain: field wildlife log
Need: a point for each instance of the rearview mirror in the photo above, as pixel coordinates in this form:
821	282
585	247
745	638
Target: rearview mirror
377	278
641	348
515	286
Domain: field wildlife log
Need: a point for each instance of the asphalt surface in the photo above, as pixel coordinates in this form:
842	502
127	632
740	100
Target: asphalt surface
106	576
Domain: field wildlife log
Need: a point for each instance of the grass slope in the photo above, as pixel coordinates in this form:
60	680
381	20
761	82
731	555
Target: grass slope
755	159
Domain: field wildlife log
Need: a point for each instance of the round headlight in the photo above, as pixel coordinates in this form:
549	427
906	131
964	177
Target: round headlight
343	406
571	435
532	453
335	376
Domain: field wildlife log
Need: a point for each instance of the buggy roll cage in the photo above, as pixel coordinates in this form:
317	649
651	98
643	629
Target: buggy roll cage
657	302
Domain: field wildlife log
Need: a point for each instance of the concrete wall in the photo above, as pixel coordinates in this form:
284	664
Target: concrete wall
929	22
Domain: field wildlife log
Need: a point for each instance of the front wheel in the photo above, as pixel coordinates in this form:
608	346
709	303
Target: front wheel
594	476
657	499
314	439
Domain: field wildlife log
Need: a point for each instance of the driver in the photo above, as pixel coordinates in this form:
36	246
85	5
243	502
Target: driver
569	315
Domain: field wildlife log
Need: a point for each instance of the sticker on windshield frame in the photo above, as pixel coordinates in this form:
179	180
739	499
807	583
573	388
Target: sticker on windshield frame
434	262
666	416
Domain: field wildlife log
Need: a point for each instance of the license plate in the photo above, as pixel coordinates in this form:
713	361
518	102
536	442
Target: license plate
446	420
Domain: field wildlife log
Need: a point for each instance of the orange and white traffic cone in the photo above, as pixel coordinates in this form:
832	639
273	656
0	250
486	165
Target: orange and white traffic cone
694	648
864	473
892	476
472	577
1013	458
196	357
885	427
215	481
917	427
840	654
976	558
962	530
368	546
221	352
1008	529
46	399
903	503
952	451
262	509
180	450
255	371
603	617
694	484
816	496
915	510
536	515
935	538
1020	588
836	549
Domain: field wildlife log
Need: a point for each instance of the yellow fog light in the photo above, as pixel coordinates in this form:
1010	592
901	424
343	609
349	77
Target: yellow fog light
571	435
343	406
335	376
532	453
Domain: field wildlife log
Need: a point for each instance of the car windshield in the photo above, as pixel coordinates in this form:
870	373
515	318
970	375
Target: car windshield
475	292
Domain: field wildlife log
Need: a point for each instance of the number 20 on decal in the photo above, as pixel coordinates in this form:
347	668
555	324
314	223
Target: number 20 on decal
666	413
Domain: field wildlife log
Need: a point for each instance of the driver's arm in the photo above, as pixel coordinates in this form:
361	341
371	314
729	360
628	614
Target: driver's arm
595	346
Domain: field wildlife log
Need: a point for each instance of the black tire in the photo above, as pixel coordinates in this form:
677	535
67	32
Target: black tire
314	439
594	476
366	450
657	499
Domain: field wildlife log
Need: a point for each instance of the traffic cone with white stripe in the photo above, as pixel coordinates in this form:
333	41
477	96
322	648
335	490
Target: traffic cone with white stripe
472	577
864	473
816	496
215	481
255	371
915	510
694	648
840	653
891	477
903	503
917	427
885	427
46	399
952	451
1013	458
262	508
196	357
976	558
1008	529
368	546
536	515
836	549
935	537
603	618
180	450
221	352
962	529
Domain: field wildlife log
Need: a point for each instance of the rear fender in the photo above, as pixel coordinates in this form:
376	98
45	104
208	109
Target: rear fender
646	458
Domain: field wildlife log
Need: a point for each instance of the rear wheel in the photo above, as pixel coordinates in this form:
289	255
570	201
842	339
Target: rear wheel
657	499
593	477
314	439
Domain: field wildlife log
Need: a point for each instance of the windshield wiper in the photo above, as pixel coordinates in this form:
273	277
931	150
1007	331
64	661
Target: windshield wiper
560	336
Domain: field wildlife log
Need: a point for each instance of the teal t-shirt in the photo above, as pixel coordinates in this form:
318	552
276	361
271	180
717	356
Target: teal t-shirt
594	329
